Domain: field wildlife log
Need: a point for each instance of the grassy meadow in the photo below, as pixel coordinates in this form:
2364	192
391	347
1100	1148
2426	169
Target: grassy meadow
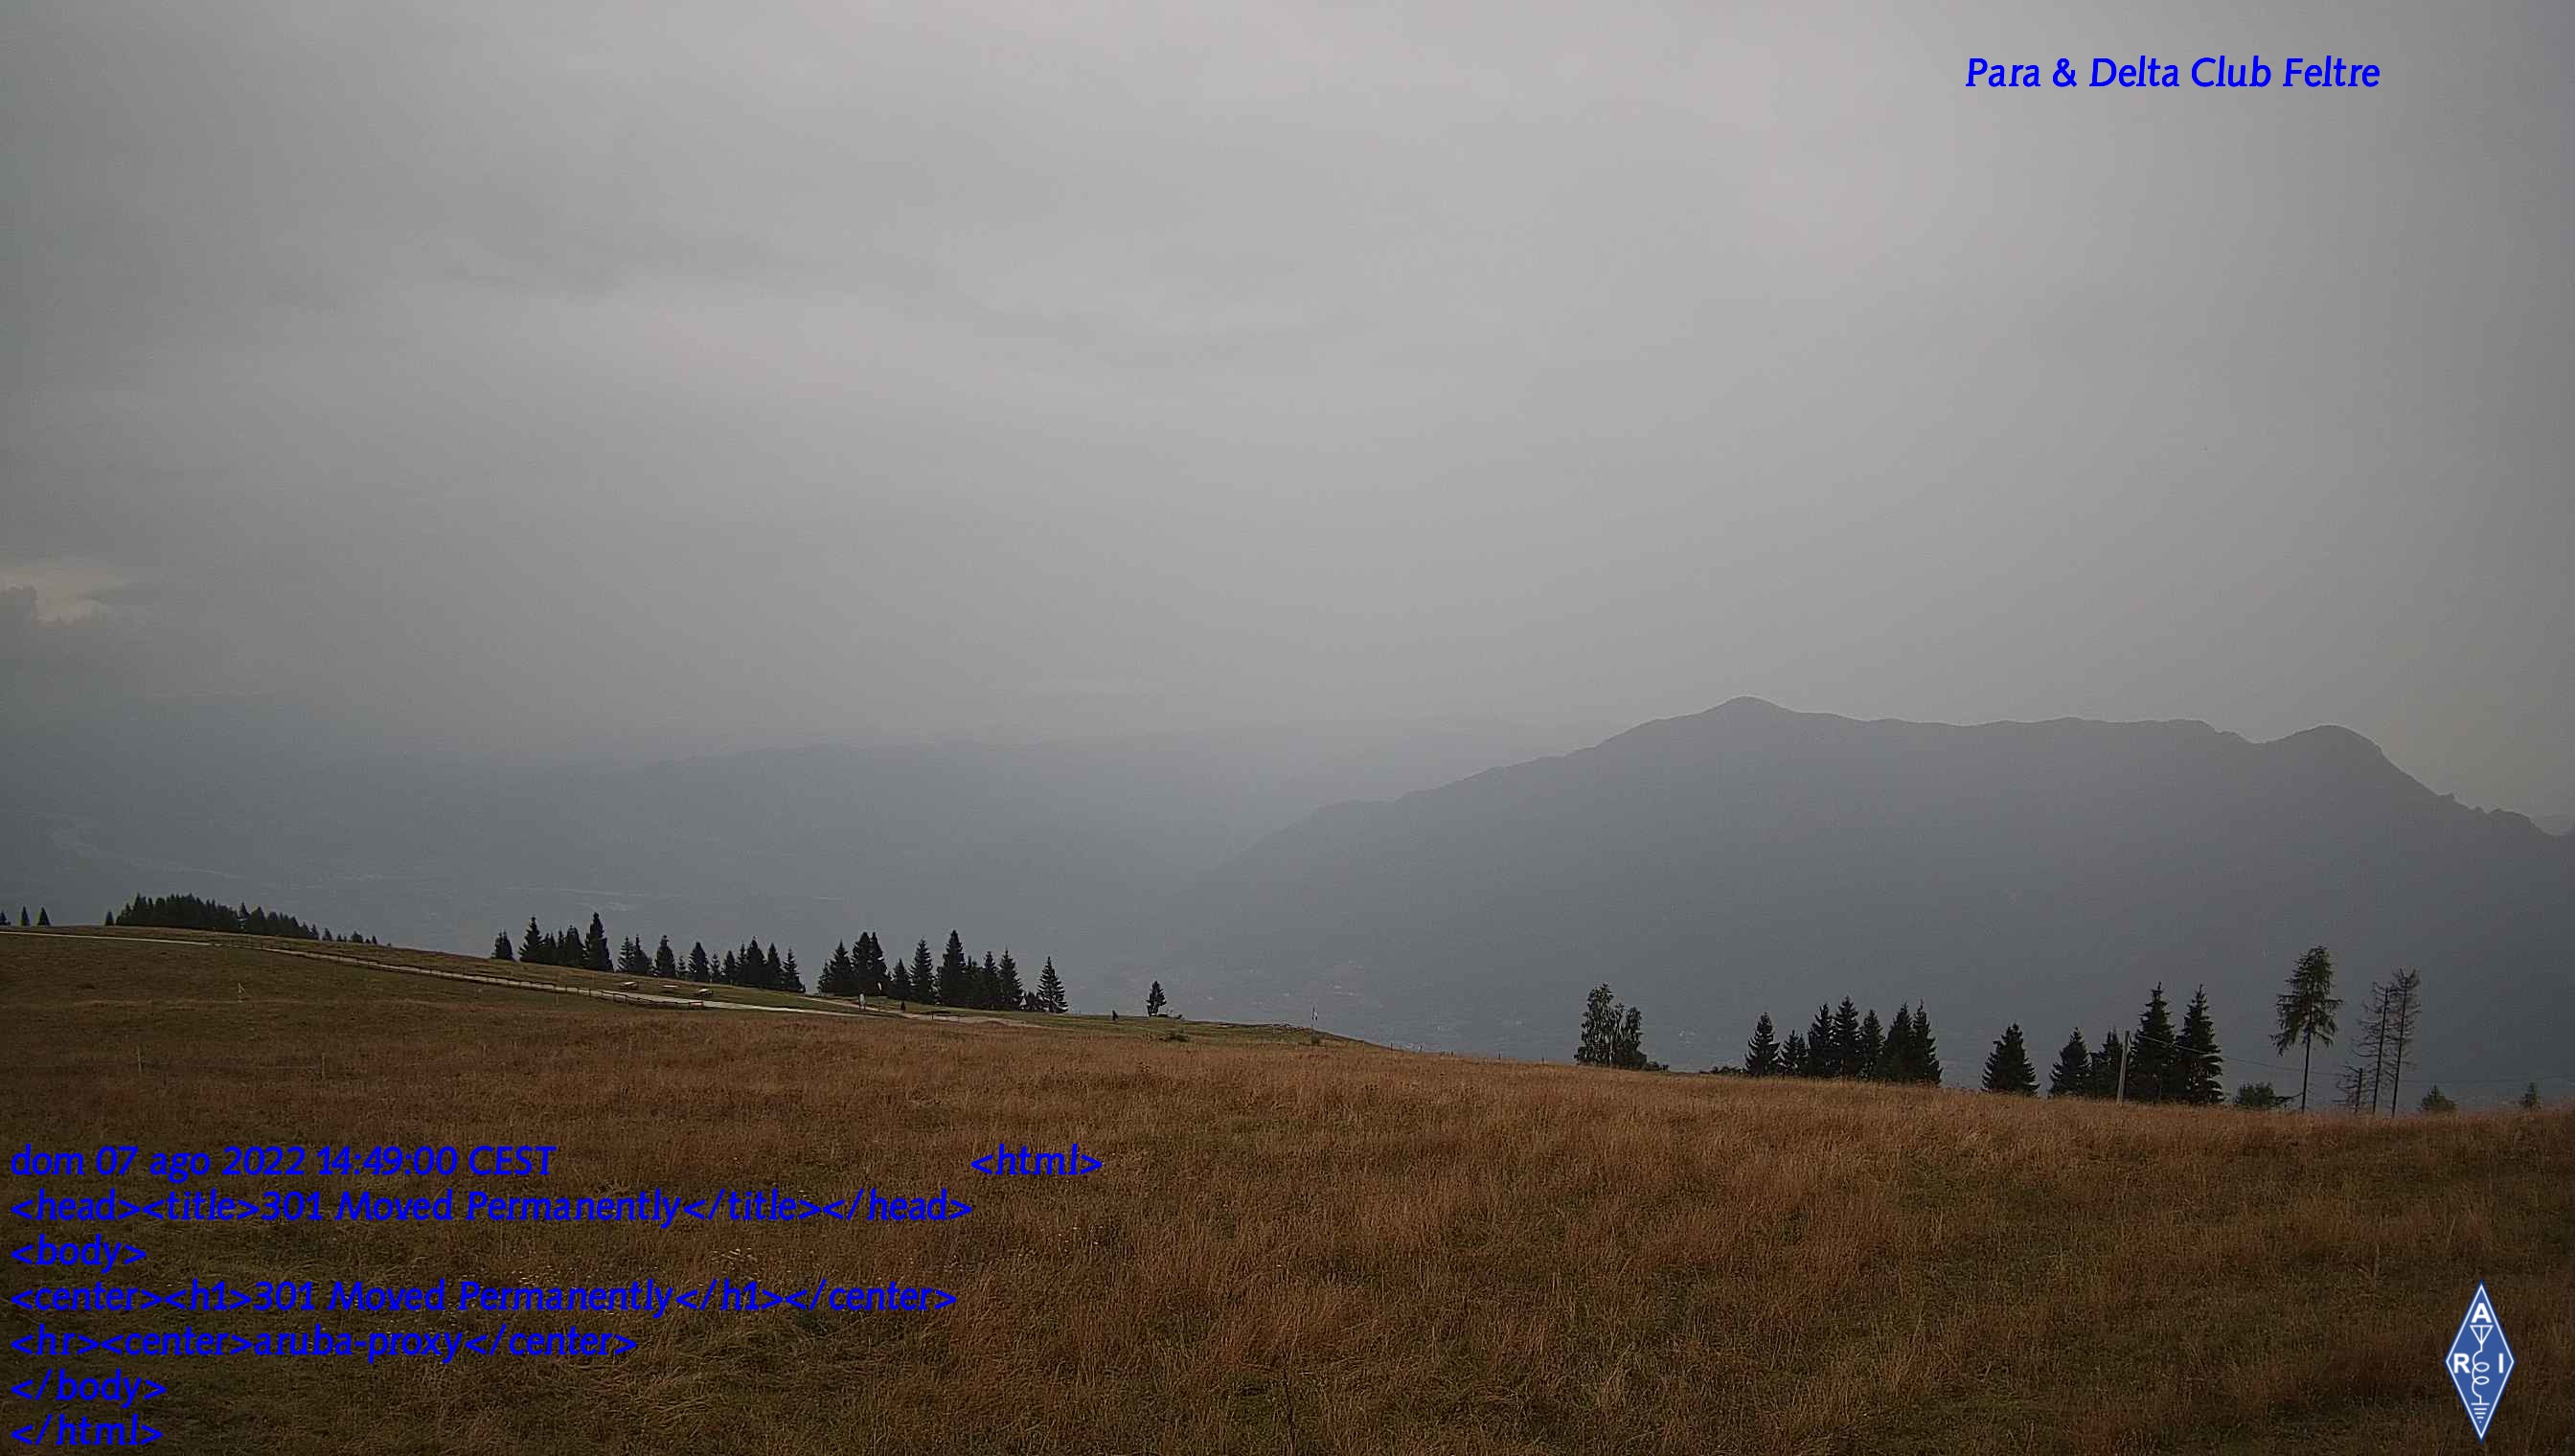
1295	1245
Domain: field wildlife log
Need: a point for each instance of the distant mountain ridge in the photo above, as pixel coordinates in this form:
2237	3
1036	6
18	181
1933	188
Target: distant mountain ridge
1709	866
1750	857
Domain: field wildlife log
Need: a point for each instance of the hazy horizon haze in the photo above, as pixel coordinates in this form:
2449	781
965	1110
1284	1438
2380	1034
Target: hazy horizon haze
555	381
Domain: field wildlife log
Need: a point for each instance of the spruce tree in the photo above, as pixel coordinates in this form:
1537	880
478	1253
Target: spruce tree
1762	1054
43	919
1847	1043
567	947
1050	989
2154	1052
2103	1079
2007	1068
777	971
834	981
2198	1067
532	948
1155	1000
665	964
501	947
1823	1059
988	983
1872	1046
924	984
789	977
1792	1055
1896	1054
872	965
1926	1052
699	968
1013	993
730	973
2073	1070
2433	1101
594	947
2307	1012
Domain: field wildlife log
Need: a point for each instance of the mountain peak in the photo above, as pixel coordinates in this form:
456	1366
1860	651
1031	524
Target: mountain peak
2334	745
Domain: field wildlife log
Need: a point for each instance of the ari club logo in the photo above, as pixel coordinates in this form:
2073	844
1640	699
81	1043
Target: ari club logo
2479	1361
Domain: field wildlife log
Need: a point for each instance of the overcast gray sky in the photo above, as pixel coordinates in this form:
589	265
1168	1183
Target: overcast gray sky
534	376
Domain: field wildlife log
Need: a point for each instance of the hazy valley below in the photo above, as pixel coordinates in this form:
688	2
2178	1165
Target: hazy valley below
1453	887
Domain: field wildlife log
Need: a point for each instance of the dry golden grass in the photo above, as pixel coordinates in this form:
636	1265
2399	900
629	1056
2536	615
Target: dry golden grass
1299	1248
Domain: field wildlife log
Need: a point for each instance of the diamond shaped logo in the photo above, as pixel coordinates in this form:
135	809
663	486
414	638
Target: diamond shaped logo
2480	1362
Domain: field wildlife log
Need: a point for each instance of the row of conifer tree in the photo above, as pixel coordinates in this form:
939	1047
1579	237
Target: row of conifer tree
188	912
1843	1042
858	968
2163	1064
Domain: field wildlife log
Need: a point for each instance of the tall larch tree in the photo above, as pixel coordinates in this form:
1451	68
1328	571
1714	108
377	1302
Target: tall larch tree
2307	1012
